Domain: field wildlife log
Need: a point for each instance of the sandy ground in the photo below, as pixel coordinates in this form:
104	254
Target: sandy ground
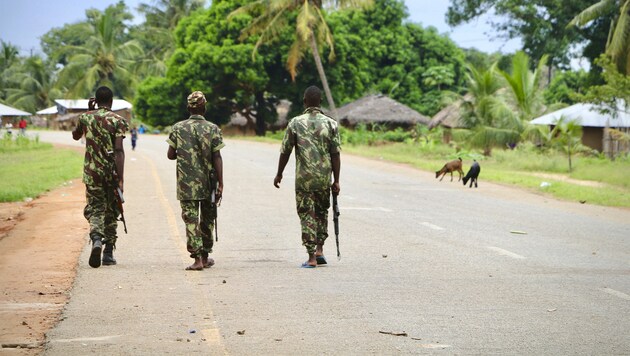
40	242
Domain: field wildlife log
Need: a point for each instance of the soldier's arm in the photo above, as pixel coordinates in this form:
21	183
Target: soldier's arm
120	160
335	159
282	162
172	153
78	132
217	163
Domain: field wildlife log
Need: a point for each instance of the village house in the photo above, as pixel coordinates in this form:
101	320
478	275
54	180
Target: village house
68	111
379	110
11	116
595	125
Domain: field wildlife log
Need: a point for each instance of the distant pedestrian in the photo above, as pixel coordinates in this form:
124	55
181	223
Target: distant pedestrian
315	137
196	145
22	125
134	137
9	127
104	157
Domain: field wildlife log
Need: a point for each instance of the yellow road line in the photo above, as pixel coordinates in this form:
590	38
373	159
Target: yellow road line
212	335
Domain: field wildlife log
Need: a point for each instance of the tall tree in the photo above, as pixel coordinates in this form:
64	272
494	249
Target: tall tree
311	29
36	88
103	60
618	42
209	57
540	24
156	33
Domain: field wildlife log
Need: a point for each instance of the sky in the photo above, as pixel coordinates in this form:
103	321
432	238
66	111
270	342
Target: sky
22	23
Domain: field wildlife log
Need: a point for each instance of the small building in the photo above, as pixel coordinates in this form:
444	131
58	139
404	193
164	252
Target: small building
68	111
593	122
239	125
449	118
45	117
379	110
10	115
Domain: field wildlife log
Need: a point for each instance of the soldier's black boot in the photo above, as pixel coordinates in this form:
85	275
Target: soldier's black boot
108	255
97	246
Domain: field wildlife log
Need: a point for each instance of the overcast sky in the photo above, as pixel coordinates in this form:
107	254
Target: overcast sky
23	22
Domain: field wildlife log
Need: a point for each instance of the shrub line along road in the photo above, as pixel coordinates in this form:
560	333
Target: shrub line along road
433	260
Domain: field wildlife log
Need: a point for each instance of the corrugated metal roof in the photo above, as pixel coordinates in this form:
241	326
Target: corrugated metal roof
9	111
48	111
586	115
82	104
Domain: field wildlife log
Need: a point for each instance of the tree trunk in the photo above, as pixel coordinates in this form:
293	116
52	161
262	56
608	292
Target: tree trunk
261	125
322	76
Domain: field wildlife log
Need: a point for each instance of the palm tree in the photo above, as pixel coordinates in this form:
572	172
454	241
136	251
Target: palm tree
567	134
271	17
524	86
156	34
103	60
8	57
36	86
491	122
618	43
166	14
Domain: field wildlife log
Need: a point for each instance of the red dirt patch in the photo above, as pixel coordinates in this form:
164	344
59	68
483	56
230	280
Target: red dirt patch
38	264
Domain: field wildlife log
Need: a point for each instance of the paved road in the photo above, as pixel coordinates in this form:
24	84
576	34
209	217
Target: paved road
432	259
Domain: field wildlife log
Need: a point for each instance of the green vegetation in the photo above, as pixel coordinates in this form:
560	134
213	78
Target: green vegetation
30	168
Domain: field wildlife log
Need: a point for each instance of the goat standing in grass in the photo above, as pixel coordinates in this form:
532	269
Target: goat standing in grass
472	174
455	165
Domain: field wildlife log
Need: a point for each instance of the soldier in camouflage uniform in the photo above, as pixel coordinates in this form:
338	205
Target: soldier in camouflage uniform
196	143
104	160
315	137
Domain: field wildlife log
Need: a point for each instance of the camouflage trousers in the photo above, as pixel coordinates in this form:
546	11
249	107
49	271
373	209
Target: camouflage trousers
198	216
312	208
101	212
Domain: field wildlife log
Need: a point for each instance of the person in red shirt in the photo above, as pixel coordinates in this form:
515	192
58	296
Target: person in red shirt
22	126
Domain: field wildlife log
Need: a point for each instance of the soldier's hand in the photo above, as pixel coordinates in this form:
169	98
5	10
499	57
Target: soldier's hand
277	180
219	193
336	188
121	185
91	103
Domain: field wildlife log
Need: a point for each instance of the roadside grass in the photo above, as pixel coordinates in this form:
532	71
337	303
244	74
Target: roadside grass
520	167
30	168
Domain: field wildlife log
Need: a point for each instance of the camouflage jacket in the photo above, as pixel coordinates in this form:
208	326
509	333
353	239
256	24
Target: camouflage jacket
195	139
101	128
315	137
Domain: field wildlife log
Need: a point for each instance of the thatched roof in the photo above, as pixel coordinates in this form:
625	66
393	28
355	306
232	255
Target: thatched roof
379	109
449	116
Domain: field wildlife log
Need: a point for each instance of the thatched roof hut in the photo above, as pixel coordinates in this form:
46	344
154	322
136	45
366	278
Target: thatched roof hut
379	109
449	116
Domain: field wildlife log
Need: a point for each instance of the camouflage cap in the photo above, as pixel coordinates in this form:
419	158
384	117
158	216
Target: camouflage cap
196	99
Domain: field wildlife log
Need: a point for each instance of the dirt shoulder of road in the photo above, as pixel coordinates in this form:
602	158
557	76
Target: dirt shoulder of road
40	242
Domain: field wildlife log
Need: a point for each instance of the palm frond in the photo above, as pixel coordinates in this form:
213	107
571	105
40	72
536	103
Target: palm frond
592	12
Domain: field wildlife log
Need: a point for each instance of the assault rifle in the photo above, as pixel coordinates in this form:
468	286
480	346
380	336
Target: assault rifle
214	204
118	194
336	221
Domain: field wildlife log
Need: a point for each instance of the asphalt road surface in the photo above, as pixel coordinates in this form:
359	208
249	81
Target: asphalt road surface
433	260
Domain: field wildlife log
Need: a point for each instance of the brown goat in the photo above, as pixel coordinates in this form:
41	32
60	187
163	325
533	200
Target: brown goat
449	167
